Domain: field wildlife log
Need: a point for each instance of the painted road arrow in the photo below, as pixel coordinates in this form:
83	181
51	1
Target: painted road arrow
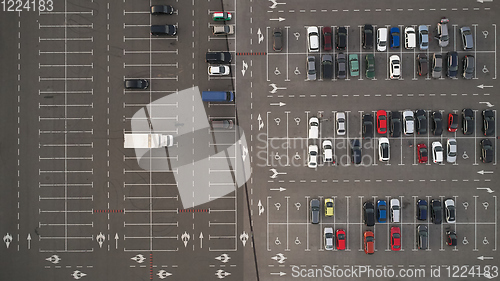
484	86
278	273
484	258
260	36
116	240
482	1
488	104
261	123
279	19
278	103
278	189
201	239
482	172
487	189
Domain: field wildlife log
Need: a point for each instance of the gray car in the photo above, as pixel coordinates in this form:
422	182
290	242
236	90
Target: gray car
442	33
311	68
315	206
422	236
467	42
451	148
423	36
437	65
468	71
341	66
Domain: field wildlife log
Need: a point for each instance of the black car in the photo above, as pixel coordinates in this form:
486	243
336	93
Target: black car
367	36
367	126
136	84
436	211
395	124
165	29
420	122
488	122
162	10
452	70
327	65
277	39
356	151
421	210
341	38
422	64
315	206
451	238
486	151
467	121
468	71
341	66
369	214
218	57
437	123
422	236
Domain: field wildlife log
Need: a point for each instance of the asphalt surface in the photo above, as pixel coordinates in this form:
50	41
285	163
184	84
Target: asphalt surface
77	205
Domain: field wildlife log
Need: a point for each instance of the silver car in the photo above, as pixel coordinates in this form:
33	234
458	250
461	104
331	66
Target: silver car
442	32
423	36
328	234
408	122
467	40
311	68
451	149
340	116
437	65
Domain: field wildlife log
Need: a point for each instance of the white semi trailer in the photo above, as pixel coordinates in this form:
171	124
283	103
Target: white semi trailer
147	140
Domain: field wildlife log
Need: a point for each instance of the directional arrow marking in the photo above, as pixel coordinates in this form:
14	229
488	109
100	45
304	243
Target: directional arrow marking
29	241
100	239
201	239
279	19
244	238
482	172
487	189
138	258
278	103
278	273
223	258
261	124
244	69
484	258
488	104
185	238
7	239
482	1
484	86
116	240
259	34
162	274
278	189
261	208
279	258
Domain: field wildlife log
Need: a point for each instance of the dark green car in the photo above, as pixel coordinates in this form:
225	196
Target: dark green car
370	66
353	65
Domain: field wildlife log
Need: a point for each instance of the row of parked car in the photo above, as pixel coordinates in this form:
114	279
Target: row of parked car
219	61
384	37
438	212
433	65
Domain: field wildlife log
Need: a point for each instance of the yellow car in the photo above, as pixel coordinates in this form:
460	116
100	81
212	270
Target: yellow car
329	207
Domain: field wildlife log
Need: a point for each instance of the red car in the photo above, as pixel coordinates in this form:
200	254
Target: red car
422	153
327	38
340	233
382	122
452	122
395	238
369	241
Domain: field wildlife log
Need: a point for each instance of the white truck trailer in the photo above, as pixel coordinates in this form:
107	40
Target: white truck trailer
147	140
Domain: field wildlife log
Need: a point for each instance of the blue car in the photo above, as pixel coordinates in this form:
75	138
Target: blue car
421	210
381	211
395	37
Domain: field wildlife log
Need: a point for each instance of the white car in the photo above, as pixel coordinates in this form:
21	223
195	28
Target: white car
410	38
408	122
327	151
449	208
313	39
382	39
395	67
384	151
340	117
313	128
218	70
313	156
395	210
328	234
451	151
437	152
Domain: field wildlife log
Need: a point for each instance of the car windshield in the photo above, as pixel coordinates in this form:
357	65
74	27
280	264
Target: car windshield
329	235
423	151
314	124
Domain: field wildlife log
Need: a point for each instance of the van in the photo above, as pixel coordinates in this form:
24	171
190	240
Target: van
410	38
217	96
226	124
381	39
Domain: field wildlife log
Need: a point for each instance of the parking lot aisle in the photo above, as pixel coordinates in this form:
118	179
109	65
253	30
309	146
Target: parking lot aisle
348	199
414	227
361	224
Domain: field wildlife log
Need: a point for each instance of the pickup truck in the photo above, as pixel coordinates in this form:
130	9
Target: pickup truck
218	57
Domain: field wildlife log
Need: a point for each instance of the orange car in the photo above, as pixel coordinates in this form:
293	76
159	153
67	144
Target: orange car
369	242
